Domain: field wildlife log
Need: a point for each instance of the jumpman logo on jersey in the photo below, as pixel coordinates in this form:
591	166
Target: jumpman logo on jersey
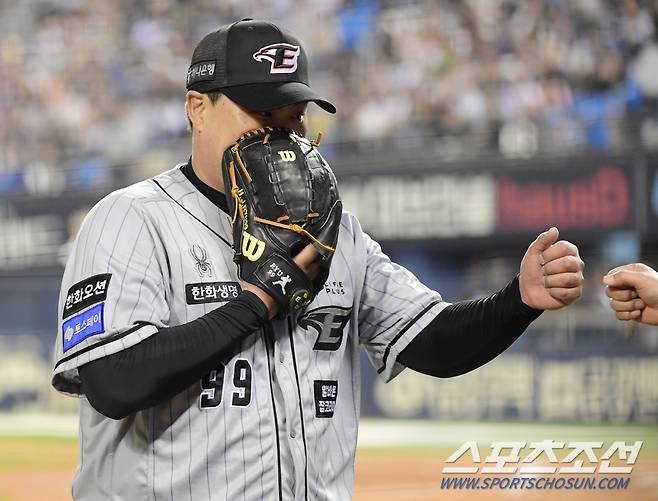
283	282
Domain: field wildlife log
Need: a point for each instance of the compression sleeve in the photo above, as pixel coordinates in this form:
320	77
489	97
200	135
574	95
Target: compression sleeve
166	363
468	334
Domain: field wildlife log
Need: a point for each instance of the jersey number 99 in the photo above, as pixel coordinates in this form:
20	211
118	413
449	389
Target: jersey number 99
212	386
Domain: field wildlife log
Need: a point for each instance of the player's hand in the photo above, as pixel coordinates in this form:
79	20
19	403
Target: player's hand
307	260
633	292
551	274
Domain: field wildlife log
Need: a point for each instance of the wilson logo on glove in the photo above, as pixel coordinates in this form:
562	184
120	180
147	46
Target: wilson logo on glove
287	156
252	248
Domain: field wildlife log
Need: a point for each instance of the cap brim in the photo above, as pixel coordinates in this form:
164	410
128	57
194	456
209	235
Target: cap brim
270	96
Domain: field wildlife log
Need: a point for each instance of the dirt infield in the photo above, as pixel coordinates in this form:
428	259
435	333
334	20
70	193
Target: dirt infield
33	469
41	469
36	485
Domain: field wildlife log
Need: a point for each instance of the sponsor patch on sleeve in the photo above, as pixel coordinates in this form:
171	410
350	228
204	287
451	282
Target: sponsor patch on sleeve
90	291
83	325
325	398
211	292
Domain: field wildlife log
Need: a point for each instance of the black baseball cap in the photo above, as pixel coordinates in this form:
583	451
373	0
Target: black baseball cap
256	64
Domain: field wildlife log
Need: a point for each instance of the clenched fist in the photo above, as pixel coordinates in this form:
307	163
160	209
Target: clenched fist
551	274
633	292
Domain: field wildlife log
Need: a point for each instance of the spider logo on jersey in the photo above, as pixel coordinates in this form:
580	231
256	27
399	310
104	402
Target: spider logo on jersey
330	322
202	265
282	57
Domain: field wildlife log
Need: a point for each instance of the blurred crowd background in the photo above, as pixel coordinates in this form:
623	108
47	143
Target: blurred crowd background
89	85
464	128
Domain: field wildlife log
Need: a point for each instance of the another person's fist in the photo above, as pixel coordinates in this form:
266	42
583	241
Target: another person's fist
551	274
633	292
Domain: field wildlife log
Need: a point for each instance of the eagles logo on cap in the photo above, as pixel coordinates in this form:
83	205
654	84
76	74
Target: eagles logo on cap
282	57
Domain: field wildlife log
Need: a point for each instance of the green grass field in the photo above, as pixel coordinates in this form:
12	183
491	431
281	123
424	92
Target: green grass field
38	453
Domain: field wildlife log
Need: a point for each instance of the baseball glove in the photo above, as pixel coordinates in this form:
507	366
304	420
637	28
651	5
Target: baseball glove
282	196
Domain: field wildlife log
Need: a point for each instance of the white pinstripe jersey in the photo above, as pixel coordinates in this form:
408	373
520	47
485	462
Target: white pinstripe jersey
278	417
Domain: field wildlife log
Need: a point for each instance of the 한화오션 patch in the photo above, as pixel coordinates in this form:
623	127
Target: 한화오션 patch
78	328
89	291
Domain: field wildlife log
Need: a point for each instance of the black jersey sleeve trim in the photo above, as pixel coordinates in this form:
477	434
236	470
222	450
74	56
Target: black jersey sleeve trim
401	333
136	327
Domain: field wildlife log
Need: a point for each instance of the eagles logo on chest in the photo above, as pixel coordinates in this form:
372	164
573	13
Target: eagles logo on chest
329	322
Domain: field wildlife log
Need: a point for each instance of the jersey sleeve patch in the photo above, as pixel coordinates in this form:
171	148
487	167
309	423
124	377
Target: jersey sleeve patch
83	325
211	292
90	291
326	393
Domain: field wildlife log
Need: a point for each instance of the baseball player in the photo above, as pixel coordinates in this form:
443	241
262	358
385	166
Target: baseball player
197	383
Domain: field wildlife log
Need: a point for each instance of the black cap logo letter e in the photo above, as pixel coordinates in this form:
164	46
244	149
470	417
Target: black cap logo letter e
282	57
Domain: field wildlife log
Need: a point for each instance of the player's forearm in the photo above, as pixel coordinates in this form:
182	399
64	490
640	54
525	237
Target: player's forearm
166	363
468	334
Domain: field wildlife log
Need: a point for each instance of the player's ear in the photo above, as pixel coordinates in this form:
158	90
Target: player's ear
194	108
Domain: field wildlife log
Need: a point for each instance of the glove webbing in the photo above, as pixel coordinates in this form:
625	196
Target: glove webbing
237	193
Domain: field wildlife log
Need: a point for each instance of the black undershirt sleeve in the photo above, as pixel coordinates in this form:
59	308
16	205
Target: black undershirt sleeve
163	365
468	334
